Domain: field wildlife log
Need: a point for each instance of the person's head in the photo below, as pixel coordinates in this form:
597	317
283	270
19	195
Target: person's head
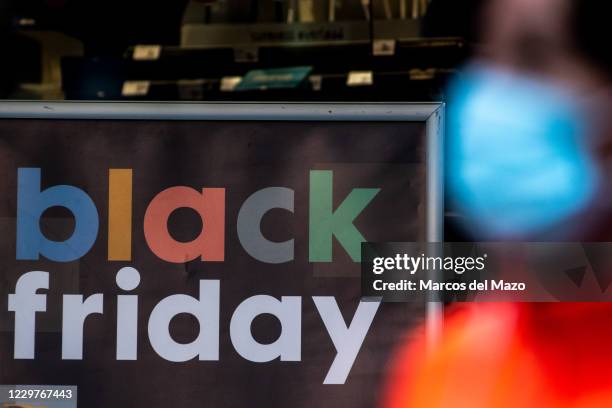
527	119
556	40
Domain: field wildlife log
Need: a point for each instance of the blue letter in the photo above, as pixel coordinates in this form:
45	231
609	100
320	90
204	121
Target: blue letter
31	203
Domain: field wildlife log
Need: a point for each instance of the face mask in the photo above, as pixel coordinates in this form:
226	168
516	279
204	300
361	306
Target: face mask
518	163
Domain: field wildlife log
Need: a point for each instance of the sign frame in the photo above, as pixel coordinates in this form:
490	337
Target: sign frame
432	114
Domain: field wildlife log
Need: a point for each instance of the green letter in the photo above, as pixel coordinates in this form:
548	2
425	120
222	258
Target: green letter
325	223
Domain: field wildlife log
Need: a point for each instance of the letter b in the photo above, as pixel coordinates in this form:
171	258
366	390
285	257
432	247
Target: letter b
31	203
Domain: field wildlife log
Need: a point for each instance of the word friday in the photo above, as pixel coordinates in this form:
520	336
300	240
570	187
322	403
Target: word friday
324	221
347	339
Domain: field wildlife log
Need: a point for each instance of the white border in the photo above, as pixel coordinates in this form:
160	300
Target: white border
430	113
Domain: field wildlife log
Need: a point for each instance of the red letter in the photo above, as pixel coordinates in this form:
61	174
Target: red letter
209	245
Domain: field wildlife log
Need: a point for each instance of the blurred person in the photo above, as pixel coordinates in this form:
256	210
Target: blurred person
530	133
526	121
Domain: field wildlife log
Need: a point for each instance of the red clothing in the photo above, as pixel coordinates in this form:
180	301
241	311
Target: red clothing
499	355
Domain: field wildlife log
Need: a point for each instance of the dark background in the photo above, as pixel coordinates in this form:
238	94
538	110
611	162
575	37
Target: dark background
92	56
164	154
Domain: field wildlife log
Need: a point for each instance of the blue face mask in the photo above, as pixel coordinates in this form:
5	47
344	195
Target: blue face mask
517	157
